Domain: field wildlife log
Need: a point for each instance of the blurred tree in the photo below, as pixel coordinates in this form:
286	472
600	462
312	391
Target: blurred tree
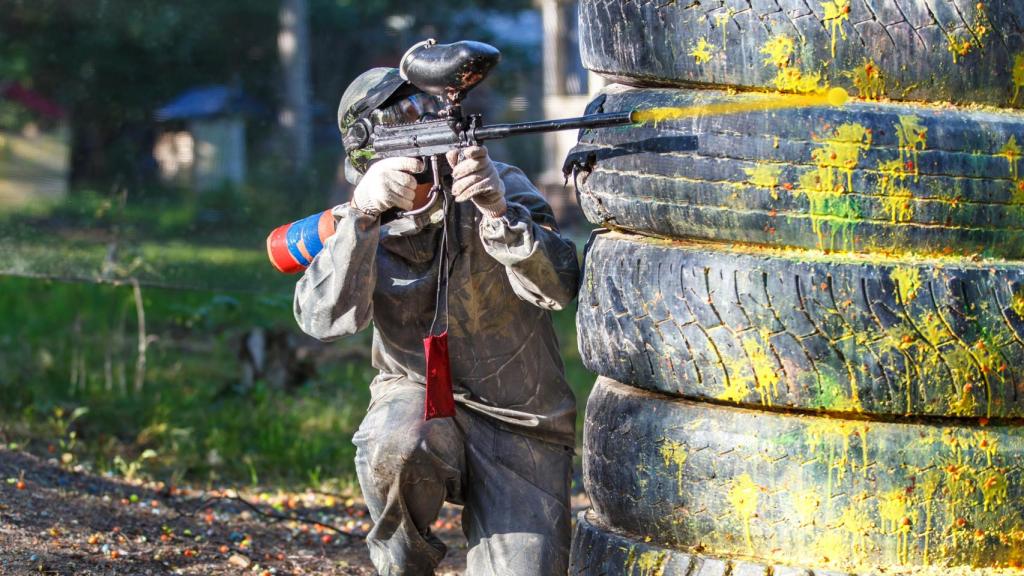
112	62
295	116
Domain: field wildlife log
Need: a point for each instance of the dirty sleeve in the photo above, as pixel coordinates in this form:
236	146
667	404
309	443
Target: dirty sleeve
541	265
334	297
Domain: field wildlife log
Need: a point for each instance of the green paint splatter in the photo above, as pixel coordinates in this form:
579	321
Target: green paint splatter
825	189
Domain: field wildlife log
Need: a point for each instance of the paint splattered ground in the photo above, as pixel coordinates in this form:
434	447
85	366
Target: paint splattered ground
56	521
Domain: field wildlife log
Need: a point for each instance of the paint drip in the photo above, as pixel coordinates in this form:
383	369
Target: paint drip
833	97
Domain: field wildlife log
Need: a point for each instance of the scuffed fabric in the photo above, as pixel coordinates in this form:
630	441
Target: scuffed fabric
507	454
506	275
515	489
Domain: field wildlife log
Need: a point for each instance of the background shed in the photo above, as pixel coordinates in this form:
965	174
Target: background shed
201	142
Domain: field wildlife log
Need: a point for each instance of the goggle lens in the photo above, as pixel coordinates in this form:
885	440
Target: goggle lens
408	110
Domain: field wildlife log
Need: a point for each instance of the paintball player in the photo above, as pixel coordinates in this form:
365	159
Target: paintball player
506	455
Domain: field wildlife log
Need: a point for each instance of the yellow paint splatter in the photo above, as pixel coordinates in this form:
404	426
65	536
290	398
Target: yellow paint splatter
1011	151
806	504
778	51
900	337
836	12
649	563
643	476
824	185
986	352
828	440
757	371
722	21
960	45
933	329
908	282
912	140
896	198
859	526
767	383
961	402
702	52
982	25
954	443
959	484
759	103
1017	302
987	444
868	80
765	176
893	172
736	389
743	497
894	509
792	80
838	156
674	454
993	490
930	483
1018	76
897	204
1017	195
831	547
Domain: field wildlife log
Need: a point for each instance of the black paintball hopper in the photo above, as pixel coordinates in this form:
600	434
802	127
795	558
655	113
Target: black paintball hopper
449	70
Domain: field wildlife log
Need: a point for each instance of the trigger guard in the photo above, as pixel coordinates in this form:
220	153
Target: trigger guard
431	200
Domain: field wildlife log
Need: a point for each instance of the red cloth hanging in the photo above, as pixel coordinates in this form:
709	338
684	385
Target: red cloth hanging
440	401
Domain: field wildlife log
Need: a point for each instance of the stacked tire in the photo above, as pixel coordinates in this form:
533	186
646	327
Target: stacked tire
808	322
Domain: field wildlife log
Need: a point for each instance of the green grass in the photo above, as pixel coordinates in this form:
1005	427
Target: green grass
202	264
212	241
74	345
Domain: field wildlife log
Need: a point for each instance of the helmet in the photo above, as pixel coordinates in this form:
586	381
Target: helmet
369	91
374	89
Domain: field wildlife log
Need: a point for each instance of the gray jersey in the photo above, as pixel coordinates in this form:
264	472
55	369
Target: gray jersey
506	274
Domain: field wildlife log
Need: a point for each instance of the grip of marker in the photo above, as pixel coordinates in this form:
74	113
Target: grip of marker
292	247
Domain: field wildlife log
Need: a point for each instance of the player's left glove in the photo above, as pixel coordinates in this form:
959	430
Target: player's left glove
475	178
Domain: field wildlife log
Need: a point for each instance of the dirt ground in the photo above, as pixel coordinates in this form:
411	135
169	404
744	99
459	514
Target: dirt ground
55	521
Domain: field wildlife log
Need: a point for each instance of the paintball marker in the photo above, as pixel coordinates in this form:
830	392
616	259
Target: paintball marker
448	71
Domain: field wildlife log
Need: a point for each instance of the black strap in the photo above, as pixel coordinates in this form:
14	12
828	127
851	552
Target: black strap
443	275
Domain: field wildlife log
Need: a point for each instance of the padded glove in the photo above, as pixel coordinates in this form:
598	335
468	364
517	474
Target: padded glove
386	184
475	178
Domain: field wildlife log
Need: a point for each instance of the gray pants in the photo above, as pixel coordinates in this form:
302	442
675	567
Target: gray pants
515	489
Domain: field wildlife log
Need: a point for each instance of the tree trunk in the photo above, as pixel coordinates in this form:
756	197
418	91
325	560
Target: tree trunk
293	49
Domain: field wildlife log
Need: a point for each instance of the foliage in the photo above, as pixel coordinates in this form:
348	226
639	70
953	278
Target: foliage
116	61
190	420
188	412
13	116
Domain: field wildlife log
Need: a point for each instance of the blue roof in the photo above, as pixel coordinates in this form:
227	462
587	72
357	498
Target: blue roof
204	102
